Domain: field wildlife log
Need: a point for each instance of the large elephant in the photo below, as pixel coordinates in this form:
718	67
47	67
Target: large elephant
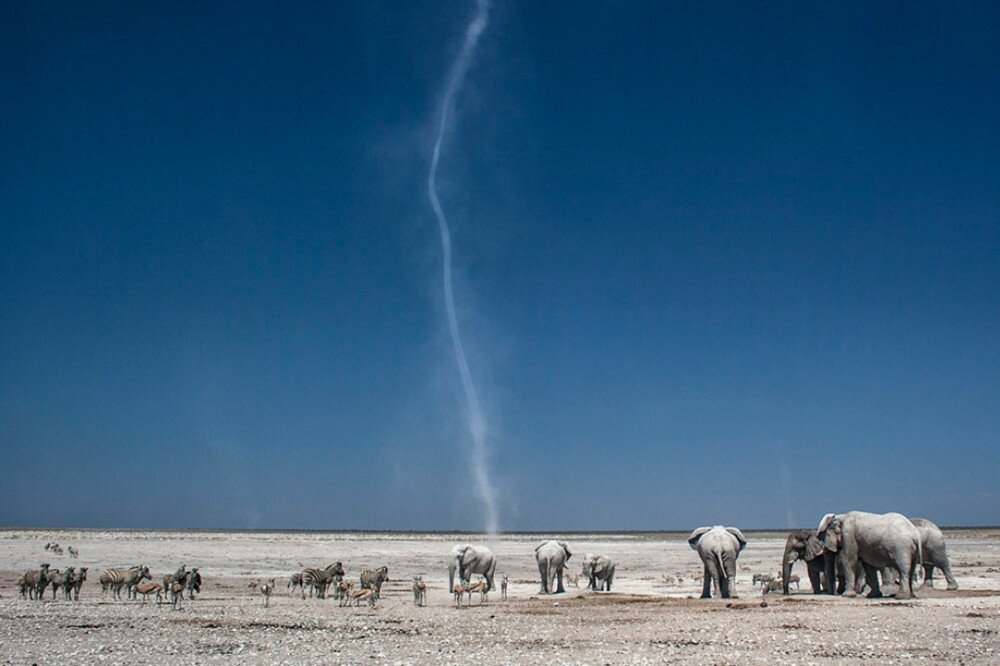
718	548
876	541
934	553
468	560
599	570
552	557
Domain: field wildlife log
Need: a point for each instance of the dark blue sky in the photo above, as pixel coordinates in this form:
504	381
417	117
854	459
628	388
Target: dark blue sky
716	262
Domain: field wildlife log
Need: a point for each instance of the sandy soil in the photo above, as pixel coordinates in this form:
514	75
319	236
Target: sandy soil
646	619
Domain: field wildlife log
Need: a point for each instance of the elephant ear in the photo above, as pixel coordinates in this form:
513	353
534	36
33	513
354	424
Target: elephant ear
830	531
825	523
814	548
739	536
696	537
569	554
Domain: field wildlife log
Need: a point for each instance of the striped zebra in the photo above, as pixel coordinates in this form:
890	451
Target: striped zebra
374	579
59	580
31	581
320	579
72	587
294	582
116	579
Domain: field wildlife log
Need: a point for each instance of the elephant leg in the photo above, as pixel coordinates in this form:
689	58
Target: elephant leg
814	578
490	572
928	575
543	572
706	587
906	570
729	576
850	580
559	574
871	573
946	570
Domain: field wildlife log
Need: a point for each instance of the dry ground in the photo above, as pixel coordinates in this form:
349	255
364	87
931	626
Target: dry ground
645	620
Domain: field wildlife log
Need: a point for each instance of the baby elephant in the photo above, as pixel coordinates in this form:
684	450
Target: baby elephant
718	548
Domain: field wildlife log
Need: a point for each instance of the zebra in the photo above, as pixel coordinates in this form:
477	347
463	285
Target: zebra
30	581
115	579
320	579
71	588
60	580
193	583
374	579
294	582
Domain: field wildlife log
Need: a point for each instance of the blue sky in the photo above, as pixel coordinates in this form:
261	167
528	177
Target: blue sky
715	262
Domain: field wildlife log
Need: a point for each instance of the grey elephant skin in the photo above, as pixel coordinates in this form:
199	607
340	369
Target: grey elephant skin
718	547
933	552
599	570
805	545
552	557
467	560
876	540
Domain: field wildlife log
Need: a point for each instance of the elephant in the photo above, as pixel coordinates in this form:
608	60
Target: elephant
804	545
933	552
718	548
876	541
599	568
467	560
552	557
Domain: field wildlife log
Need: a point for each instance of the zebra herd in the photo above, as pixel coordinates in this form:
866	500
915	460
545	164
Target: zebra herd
318	581
33	583
56	549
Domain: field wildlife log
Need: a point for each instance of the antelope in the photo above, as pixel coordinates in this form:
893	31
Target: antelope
572	578
763	579
503	588
364	593
146	589
419	591
344	589
771	586
266	589
73	552
479	587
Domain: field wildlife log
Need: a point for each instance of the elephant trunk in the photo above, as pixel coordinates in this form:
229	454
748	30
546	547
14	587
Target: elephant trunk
786	569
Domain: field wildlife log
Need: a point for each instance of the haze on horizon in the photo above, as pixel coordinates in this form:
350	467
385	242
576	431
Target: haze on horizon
715	263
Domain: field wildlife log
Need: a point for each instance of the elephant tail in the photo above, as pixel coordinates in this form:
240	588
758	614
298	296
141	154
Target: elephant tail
722	569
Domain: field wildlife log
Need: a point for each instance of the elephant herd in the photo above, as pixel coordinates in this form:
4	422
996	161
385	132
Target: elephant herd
846	552
552	558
